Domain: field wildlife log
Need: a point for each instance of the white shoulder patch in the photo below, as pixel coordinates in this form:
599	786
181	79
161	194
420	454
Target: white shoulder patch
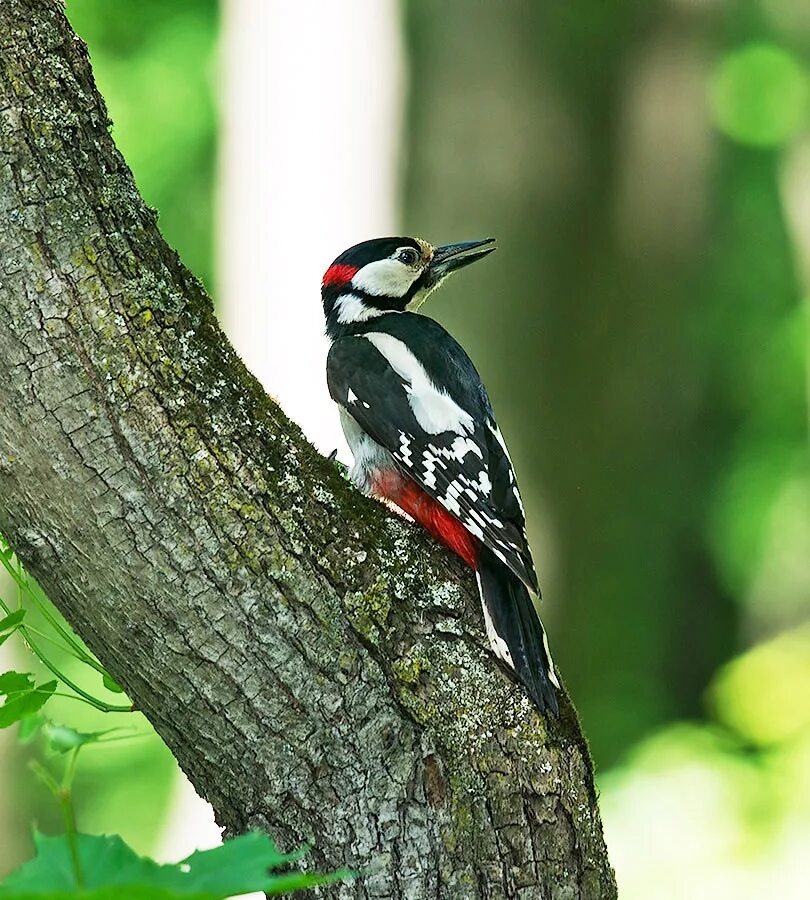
434	409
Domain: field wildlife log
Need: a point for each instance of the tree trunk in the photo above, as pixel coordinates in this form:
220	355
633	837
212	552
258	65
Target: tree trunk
318	667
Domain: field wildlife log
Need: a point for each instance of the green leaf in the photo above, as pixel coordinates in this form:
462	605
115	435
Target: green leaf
29	727
106	860
23	697
61	738
12	621
104	893
12	682
113	871
111	685
238	862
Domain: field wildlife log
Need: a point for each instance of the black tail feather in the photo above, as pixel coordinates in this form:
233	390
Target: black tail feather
515	630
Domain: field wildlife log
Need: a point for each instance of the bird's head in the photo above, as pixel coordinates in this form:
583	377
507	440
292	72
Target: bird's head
390	274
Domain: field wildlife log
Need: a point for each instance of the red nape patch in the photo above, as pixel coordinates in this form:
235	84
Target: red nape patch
429	513
339	275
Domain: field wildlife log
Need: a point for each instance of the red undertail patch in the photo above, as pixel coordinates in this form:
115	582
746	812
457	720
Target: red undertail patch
339	274
429	513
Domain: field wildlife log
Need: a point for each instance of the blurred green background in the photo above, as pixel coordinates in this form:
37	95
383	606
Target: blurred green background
645	336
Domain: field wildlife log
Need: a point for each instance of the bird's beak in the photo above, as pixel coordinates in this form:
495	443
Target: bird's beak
453	256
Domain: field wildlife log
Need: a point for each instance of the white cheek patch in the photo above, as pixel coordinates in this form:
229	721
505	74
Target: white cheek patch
385	278
351	308
434	409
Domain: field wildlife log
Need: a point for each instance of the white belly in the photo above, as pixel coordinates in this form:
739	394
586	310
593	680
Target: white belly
369	456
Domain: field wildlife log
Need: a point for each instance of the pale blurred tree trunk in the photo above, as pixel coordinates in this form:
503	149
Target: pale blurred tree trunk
605	326
311	106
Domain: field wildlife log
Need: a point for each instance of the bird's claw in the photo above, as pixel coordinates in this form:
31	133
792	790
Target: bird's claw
342	468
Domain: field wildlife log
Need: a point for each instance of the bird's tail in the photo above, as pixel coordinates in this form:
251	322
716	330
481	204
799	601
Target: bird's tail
515	630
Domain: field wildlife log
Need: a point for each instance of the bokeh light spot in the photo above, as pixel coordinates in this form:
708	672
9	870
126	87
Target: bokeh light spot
764	695
760	95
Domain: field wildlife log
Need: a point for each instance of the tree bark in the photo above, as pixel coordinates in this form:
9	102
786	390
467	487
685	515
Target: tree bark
317	666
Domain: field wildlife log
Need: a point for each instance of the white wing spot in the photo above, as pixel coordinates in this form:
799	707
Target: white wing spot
552	674
464	445
405	448
429	462
500	555
484	484
499	437
498	644
450	499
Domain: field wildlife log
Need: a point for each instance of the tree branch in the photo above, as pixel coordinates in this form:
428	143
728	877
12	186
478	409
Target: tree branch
317	666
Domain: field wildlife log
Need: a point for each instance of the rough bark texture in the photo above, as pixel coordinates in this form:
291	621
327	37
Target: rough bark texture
317	666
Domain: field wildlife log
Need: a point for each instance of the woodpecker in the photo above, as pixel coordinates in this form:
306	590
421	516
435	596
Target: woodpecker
424	438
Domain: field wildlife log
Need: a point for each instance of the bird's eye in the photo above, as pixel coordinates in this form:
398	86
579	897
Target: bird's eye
408	256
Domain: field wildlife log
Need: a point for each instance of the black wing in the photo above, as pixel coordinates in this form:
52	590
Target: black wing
467	470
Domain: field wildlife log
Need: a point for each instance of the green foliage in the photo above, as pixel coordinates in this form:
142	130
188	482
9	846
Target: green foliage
97	867
112	870
136	777
22	696
728	793
62	738
110	684
761	95
154	65
764	695
29	592
9	624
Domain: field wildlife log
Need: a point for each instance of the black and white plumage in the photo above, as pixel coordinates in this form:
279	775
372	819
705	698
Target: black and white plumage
424	437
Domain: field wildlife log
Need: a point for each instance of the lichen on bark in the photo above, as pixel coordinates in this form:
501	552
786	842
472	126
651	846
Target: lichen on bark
317	666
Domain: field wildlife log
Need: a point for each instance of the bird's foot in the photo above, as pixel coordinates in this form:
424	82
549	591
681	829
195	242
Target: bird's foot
342	468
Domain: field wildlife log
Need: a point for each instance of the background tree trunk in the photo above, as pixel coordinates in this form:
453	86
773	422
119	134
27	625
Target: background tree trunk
581	136
317	666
